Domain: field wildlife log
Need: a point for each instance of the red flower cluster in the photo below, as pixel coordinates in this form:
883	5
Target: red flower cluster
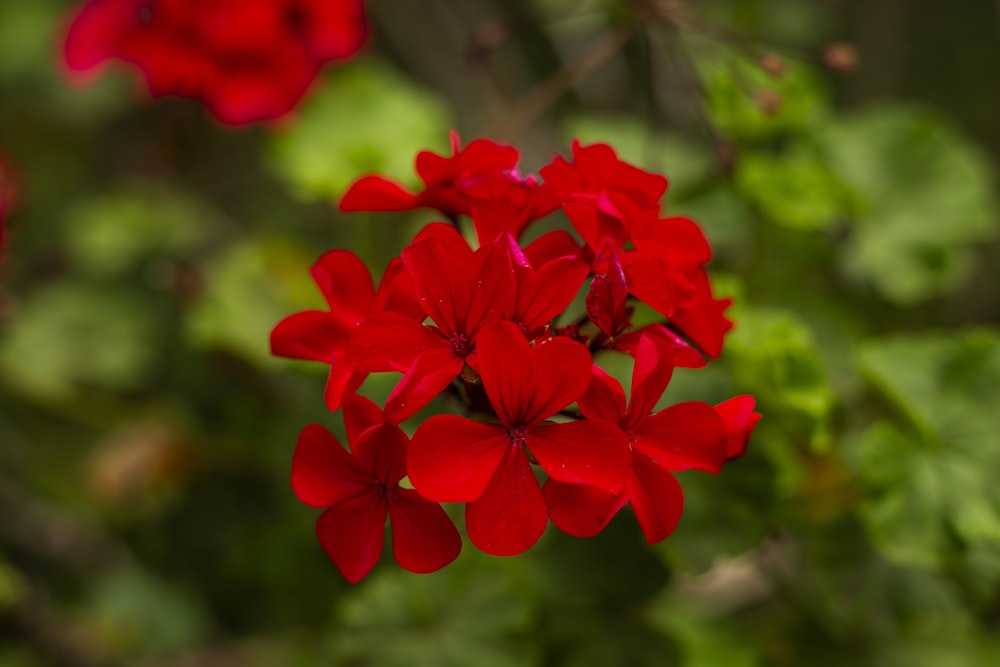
246	60
492	327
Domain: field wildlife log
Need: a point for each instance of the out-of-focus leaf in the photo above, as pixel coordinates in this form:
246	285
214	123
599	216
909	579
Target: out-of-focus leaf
137	615
250	288
437	620
72	334
929	484
772	354
747	103
795	188
110	234
364	119
927	193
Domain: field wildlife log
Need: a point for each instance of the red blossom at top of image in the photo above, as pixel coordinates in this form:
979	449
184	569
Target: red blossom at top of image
246	60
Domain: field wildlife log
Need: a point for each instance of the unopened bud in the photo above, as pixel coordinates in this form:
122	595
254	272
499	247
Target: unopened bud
841	57
772	63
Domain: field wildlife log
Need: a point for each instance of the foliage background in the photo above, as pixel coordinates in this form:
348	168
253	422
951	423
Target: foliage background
146	434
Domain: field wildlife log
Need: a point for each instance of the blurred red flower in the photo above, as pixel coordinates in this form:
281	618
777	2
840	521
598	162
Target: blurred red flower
246	60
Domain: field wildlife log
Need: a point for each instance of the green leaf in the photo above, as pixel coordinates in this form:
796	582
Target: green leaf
772	354
74	334
434	620
747	103
113	233
365	118
929	491
795	188
927	193
250	288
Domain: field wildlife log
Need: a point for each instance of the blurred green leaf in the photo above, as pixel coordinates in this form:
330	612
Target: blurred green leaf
365	118
111	234
72	334
927	193
251	287
436	620
795	188
745	102
139	615
772	354
928	485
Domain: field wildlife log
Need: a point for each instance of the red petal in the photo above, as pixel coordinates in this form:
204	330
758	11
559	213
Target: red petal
654	365
423	537
382	450
395	293
360	414
528	385
352	534
550	246
452	459
656	498
391	342
590	451
511	514
340	382
604	399
550	289
678	241
98	29
332	30
427	377
346	284
702	317
683	436
375	193
312	334
581	510
740	419
323	472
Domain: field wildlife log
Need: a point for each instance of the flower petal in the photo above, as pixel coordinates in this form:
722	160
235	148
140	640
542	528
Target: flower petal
511	514
590	451
391	342
740	419
376	193
524	384
683	436
654	366
346	284
604	398
656	498
381	450
452	459
581	510
323	472
426	378
360	414
313	335
423	537
352	534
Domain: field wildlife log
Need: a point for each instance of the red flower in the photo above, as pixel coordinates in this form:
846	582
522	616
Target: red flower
319	335
246	60
460	291
360	488
600	192
454	459
682	436
479	180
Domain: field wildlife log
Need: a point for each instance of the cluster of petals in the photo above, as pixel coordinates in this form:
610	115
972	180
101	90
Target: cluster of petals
513	332
246	60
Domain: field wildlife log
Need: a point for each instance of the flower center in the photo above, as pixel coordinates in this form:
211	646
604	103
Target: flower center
460	344
518	436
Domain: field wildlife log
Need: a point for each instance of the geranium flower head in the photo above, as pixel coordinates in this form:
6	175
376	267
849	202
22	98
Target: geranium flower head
360	489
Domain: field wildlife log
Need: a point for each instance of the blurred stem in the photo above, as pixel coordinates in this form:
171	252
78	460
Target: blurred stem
543	96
